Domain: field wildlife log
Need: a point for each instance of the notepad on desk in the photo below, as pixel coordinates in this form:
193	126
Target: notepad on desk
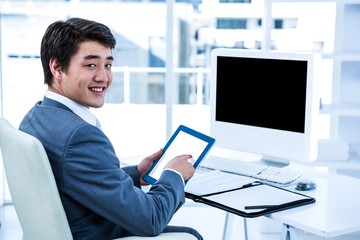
242	195
211	181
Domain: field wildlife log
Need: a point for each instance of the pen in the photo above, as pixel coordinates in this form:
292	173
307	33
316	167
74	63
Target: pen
233	189
251	184
259	206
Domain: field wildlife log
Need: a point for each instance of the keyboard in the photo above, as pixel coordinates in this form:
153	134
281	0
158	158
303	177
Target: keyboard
271	174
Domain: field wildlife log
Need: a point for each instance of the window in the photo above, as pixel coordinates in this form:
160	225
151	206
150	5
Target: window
226	23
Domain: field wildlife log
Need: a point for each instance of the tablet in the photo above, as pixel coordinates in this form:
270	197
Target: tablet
184	141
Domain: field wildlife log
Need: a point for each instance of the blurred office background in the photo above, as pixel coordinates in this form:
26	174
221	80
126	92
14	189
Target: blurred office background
162	67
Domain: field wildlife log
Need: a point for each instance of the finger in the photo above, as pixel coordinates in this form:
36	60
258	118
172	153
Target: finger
191	160
185	156
155	155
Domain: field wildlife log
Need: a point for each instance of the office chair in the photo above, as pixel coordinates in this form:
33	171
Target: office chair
34	192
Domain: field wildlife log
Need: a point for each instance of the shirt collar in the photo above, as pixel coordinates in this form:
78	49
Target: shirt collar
77	108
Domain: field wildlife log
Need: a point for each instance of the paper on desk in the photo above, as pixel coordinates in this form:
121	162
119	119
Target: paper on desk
205	182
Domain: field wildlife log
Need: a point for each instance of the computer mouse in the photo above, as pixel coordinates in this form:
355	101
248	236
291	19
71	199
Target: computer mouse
305	185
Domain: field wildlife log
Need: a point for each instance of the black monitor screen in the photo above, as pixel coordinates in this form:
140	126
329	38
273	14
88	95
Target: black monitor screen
268	93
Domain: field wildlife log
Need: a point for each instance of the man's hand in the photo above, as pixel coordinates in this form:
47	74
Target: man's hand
146	164
183	164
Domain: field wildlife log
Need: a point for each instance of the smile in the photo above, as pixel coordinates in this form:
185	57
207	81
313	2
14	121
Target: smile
96	89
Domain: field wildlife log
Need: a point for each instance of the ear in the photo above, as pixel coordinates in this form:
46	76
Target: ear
55	69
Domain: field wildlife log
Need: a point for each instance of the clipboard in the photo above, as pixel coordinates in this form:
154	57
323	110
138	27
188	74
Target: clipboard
253	199
183	141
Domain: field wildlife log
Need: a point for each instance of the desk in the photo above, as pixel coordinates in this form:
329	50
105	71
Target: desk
336	211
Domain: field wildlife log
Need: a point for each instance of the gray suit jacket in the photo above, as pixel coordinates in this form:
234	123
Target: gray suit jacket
101	200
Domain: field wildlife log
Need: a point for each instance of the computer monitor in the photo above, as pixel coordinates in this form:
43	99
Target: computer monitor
266	103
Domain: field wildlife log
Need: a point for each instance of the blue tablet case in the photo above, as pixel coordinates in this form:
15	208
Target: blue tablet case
183	141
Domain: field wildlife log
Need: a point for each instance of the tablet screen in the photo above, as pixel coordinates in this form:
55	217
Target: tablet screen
183	141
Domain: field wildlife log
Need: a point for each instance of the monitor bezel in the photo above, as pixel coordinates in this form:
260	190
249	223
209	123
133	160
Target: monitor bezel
274	145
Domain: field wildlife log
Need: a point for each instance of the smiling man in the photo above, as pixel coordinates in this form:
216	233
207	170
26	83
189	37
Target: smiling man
101	200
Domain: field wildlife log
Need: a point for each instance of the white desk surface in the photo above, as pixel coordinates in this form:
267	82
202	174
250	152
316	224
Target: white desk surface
336	211
337	208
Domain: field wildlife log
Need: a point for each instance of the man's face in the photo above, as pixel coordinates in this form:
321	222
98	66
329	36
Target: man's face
89	75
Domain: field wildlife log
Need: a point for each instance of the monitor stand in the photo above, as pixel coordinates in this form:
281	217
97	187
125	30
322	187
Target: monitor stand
276	162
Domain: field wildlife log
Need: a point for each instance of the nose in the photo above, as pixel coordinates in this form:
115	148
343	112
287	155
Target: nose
103	75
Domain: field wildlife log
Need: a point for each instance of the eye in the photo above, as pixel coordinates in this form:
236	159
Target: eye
108	65
91	65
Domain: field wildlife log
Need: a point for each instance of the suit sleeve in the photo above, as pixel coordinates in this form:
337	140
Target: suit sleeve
134	174
93	177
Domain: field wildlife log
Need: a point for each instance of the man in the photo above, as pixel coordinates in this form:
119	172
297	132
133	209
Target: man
101	200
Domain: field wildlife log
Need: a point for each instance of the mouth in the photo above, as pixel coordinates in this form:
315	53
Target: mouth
97	89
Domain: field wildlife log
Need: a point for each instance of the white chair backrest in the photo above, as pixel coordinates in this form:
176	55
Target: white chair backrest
32	186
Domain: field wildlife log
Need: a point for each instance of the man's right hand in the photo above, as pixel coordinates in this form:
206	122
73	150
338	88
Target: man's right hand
183	165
